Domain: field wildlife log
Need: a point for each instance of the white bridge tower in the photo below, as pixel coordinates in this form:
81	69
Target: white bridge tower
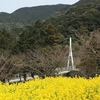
70	63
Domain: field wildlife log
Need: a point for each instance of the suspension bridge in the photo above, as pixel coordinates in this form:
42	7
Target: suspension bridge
70	63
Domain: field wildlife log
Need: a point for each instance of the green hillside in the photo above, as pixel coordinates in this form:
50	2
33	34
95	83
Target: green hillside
84	1
27	15
79	17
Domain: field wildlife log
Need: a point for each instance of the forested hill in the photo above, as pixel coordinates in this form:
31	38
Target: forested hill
78	20
80	17
84	1
24	16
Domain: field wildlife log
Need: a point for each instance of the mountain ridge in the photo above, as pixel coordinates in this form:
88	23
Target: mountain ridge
26	15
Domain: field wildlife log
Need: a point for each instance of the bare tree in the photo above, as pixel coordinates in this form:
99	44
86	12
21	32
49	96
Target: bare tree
90	63
93	49
9	65
45	61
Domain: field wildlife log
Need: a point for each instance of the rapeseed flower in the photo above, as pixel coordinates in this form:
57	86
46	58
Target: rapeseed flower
50	88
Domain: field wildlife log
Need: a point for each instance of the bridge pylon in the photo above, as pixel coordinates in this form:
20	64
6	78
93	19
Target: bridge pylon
70	63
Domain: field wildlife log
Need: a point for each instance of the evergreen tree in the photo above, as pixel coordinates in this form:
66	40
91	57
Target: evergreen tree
6	40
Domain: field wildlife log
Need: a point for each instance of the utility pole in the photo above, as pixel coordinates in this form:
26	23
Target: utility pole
70	63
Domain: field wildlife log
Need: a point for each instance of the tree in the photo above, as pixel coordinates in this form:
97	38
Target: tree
6	40
9	65
23	42
53	35
44	62
38	36
89	67
90	64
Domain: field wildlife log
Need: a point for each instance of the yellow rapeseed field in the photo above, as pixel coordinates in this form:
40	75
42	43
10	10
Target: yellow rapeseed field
59	88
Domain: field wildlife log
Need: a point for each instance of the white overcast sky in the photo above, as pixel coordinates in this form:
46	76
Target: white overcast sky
10	6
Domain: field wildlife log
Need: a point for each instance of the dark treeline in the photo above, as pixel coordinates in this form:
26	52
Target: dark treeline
37	36
31	37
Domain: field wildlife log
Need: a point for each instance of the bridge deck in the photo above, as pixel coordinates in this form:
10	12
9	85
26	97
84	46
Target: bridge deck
67	71
63	72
